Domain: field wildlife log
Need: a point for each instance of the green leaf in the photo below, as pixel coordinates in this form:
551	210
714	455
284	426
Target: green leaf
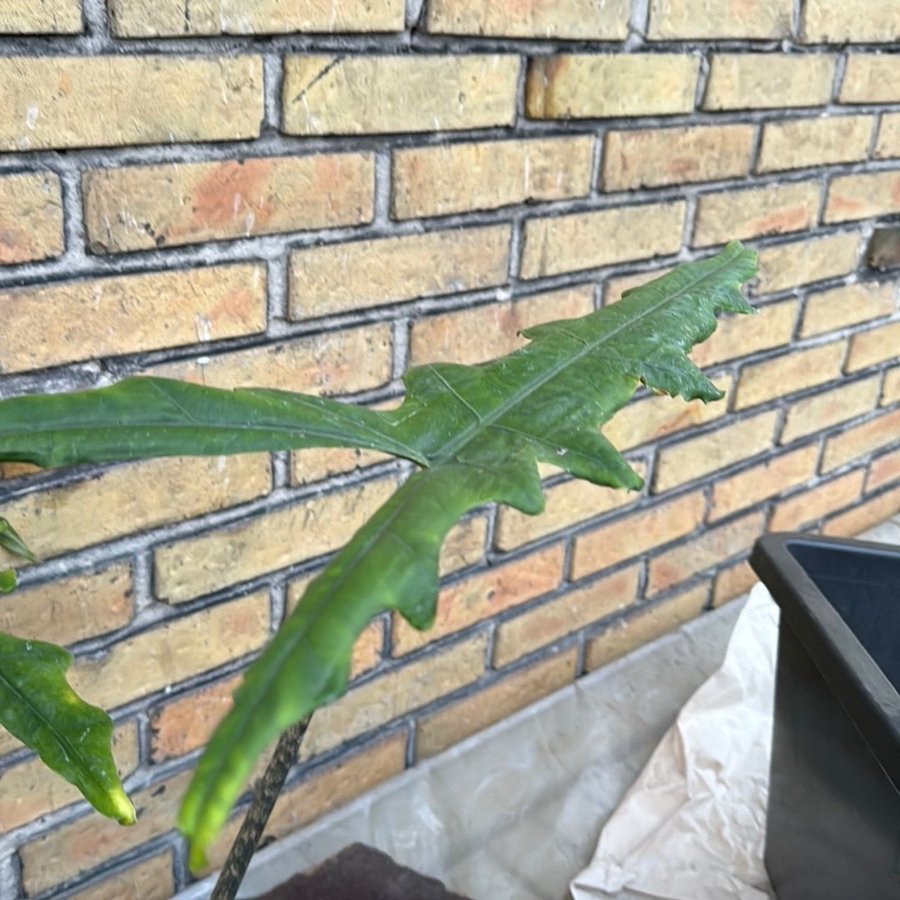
7	581
38	706
11	540
479	433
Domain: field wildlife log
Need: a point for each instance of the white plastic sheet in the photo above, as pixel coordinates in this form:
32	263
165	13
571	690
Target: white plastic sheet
692	827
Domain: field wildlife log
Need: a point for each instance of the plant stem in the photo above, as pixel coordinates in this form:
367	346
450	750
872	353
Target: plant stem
264	796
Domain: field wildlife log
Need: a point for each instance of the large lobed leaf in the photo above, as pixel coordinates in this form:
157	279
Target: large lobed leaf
478	432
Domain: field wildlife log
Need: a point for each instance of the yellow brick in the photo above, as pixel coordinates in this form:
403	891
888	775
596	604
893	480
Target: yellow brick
738	336
587	240
179	649
700	456
789	373
829	408
338	362
272	541
861	440
71	609
464	545
635	159
454	723
595	86
614	288
776	209
799	143
64	101
891	387
133	498
437	181
30	790
81	320
30	216
483	595
803	262
769	80
888	146
877	345
733	582
703	19
475	335
86	843
180	18
143	207
883	471
653	418
152	879
634	535
564	615
864	516
714	546
871	78
343	277
848	305
46	17
397	693
774	476
310	466
837	22
812	505
383	94
644	625
558	19
861	196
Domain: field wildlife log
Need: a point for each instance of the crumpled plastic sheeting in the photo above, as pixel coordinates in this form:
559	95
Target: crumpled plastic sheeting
692	827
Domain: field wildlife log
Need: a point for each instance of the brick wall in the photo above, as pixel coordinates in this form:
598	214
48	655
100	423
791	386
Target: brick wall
317	195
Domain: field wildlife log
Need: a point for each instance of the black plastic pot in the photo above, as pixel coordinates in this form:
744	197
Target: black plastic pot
833	826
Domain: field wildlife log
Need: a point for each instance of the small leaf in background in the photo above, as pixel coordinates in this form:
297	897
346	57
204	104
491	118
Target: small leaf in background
7	581
73	738
11	541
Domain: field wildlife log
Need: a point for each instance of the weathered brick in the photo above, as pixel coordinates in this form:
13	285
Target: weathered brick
483	595
136	497
769	80
888	145
714	546
394	694
829	408
437	181
848	305
799	143
635	159
599	86
46	17
176	650
591	239
481	333
891	393
704	19
861	440
738	336
861	196
733	582
66	101
464	545
776	475
150	879
564	615
181	18
652	418
775	209
342	277
863	516
803	262
646	624
883	471
837	22
341	362
813	504
559	19
454	723
310	466
383	94
81	320
877	345
213	561
142	207
30	216
73	608
30	790
789	373
700	456
871	78
566	504
635	534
